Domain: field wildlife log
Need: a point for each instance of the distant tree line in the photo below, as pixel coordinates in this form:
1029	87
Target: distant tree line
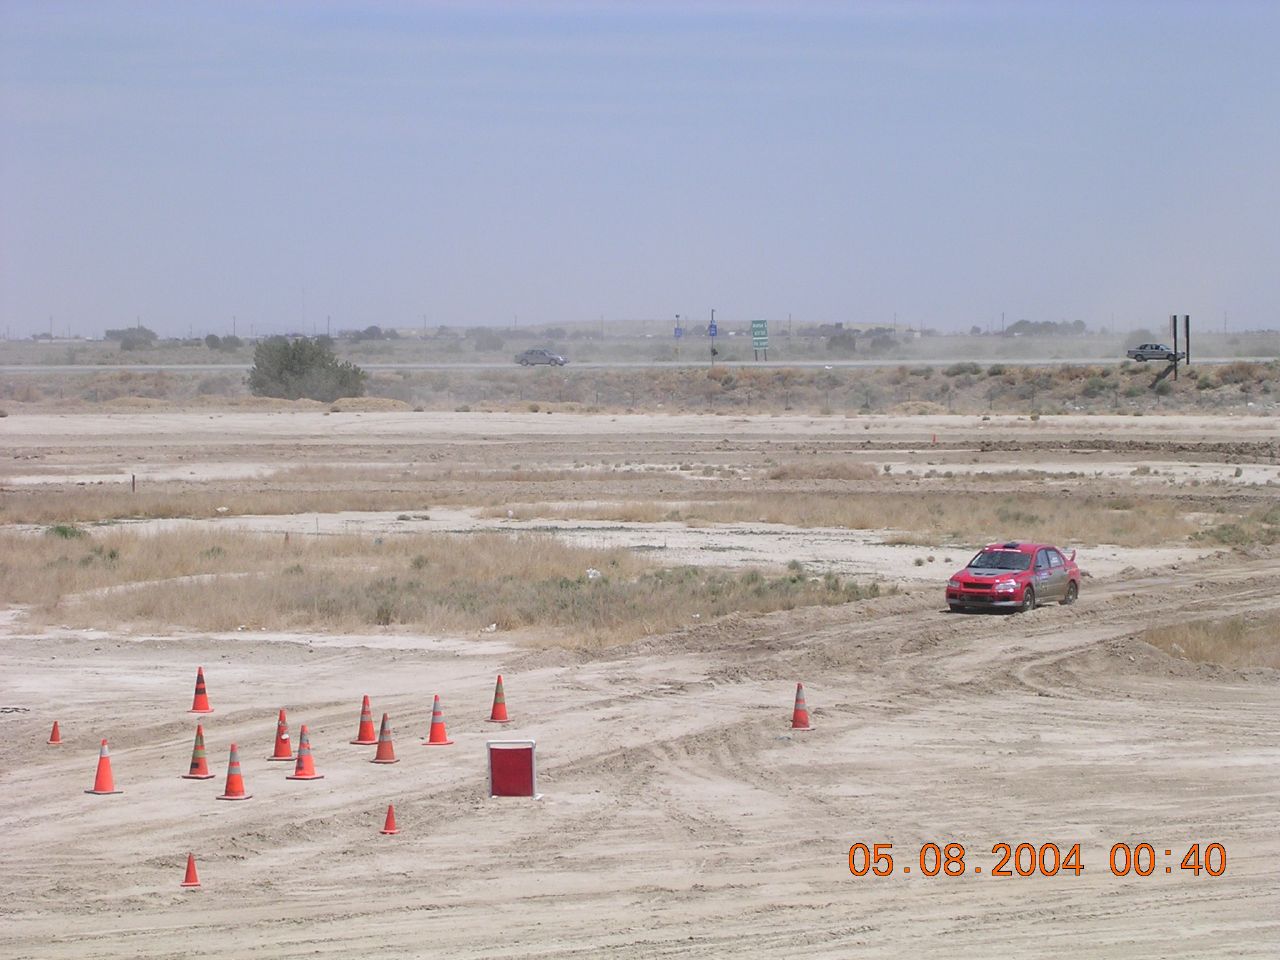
132	338
229	343
1045	328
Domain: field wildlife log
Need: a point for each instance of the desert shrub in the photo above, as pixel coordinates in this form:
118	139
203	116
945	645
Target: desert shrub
959	369
1093	387
1241	371
485	341
64	531
294	369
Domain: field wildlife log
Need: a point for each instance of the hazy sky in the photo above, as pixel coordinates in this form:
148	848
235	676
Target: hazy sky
471	162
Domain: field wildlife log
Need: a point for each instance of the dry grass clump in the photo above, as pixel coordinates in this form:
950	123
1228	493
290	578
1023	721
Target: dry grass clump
1259	527
89	504
918	518
206	580
315	488
823	470
1240	642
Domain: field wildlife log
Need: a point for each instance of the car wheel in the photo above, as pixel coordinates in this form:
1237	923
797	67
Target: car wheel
1028	600
1073	591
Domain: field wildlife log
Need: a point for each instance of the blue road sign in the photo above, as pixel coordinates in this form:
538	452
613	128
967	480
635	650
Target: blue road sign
711	330
679	332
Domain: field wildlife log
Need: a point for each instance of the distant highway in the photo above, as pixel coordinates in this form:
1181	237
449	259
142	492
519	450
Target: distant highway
610	365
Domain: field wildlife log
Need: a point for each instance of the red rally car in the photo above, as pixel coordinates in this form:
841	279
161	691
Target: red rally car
1014	576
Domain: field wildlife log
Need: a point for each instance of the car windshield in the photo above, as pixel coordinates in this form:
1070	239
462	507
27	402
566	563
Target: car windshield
1000	560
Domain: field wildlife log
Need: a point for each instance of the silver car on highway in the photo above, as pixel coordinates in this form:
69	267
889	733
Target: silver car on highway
1154	351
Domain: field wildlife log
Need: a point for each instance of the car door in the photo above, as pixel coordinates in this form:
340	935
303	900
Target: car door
1042	576
1058	575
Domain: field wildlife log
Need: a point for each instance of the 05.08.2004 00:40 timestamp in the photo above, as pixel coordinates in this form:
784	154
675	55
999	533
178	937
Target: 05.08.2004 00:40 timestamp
1028	859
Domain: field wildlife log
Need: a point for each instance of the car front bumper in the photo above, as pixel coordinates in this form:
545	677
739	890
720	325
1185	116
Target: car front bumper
981	601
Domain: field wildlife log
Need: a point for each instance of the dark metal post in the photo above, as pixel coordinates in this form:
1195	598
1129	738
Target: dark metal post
1173	322
1186	329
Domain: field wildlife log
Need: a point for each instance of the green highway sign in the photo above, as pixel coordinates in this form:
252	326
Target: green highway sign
760	334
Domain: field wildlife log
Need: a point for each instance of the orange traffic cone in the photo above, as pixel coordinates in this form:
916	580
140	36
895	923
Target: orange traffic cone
199	759
283	750
103	782
437	736
200	703
306	766
499	712
800	716
365	735
55	735
389	827
192	879
234	790
386	749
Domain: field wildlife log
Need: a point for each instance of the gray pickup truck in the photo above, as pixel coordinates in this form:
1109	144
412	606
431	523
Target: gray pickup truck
1154	351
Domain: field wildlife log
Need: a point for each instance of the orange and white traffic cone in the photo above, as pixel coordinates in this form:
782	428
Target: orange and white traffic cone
234	790
437	736
192	879
386	749
306	766
800	715
499	712
55	735
365	734
200	702
103	781
199	759
389	827
283	750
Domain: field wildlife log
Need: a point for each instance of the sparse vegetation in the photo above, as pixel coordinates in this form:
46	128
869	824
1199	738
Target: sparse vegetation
918	517
528	582
823	470
1237	643
1259	527
963	387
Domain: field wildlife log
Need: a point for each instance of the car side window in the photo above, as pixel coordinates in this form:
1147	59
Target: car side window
1055	559
1042	560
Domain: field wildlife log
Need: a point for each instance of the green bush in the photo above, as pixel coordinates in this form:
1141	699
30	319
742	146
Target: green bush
294	369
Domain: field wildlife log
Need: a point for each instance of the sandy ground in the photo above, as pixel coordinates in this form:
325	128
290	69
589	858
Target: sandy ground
681	816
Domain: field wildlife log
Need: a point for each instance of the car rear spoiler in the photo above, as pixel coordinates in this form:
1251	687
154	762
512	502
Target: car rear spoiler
1073	556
